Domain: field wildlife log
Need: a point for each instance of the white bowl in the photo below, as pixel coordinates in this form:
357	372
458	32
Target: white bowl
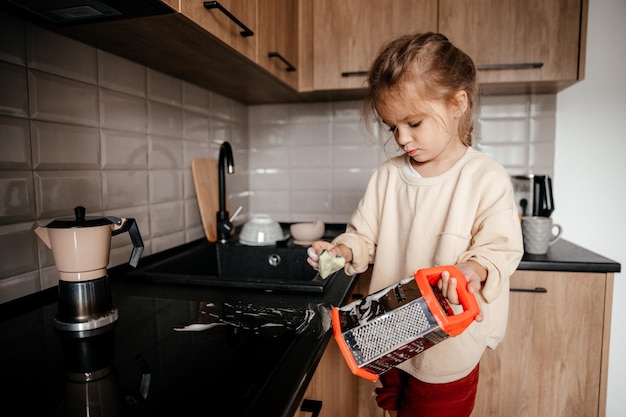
307	232
261	230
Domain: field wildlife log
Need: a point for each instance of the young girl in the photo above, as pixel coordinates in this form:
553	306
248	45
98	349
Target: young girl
440	203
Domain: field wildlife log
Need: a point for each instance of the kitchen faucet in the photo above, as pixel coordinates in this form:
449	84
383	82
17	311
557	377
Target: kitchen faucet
225	162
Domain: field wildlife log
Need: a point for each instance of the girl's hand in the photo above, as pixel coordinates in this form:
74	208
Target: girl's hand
313	253
317	247
472	272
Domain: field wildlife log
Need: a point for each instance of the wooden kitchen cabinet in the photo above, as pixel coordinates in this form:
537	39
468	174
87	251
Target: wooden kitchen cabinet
222	26
278	34
345	36
333	384
507	37
269	26
341	392
553	361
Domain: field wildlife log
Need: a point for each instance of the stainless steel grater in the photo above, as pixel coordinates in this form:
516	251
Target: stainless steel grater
396	323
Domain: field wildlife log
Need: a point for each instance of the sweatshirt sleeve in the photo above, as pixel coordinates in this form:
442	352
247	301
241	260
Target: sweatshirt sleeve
363	228
496	241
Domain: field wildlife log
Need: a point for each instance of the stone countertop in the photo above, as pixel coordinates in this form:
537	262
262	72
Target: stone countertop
37	371
256	361
568	257
562	256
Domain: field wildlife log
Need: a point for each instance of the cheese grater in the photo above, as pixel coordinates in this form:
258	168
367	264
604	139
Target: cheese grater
396	323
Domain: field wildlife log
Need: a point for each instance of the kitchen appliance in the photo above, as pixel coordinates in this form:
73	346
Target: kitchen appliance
396	323
533	195
86	317
80	247
83	11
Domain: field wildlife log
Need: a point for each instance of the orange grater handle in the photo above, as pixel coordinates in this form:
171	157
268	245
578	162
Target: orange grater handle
345	349
452	325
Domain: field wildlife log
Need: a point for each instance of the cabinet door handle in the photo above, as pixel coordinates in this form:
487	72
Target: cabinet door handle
533	290
311	406
279	56
354	73
216	5
522	65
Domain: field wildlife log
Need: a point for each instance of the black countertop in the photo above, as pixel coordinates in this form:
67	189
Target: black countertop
256	365
566	256
256	361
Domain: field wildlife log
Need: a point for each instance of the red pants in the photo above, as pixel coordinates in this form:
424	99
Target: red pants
414	398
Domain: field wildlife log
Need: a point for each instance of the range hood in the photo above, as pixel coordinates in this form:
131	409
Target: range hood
84	11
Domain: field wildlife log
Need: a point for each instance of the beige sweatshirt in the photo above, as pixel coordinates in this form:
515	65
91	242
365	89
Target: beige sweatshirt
405	222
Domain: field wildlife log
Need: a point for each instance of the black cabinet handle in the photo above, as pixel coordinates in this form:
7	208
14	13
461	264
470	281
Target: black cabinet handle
533	290
311	406
354	73
522	65
279	56
216	5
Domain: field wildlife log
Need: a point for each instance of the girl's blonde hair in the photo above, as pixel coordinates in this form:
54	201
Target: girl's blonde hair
436	69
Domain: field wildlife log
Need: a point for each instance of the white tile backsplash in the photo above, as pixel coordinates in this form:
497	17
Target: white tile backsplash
59	99
124	150
55	54
15	150
14	97
122	188
164	88
64	146
18	251
196	98
119	74
330	149
13	45
79	126
165	185
165	152
165	119
18	196
58	192
121	111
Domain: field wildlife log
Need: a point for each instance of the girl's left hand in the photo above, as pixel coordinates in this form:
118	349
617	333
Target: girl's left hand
447	284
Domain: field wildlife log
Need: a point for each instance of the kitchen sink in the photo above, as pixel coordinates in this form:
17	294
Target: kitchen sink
269	268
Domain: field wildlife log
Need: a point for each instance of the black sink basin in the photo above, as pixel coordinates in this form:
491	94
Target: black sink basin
268	268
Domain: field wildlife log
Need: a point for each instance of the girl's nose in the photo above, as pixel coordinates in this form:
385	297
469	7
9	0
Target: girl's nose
402	136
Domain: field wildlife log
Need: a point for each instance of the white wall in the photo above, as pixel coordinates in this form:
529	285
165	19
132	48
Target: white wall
590	168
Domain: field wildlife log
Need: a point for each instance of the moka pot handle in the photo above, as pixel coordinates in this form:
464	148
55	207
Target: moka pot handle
129	225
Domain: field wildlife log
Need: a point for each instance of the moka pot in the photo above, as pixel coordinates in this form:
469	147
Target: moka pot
81	247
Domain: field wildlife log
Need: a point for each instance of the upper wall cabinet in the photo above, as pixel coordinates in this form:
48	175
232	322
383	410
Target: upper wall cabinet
278	51
231	21
263	31
347	35
278	39
536	45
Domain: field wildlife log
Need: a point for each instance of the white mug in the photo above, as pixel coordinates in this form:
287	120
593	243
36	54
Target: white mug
539	234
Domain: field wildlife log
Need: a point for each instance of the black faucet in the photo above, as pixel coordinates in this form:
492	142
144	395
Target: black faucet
224	225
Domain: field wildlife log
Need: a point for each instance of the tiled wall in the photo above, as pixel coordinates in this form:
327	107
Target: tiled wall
79	126
310	161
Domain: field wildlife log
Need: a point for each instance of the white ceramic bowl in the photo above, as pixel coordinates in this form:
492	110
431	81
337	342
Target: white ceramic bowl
307	232
261	230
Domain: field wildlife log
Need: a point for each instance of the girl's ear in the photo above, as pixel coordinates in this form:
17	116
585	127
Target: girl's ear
460	103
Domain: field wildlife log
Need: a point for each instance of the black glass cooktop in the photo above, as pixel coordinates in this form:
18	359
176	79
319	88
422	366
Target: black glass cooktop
172	357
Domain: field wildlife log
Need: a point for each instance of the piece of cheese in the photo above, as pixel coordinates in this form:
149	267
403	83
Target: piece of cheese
329	264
